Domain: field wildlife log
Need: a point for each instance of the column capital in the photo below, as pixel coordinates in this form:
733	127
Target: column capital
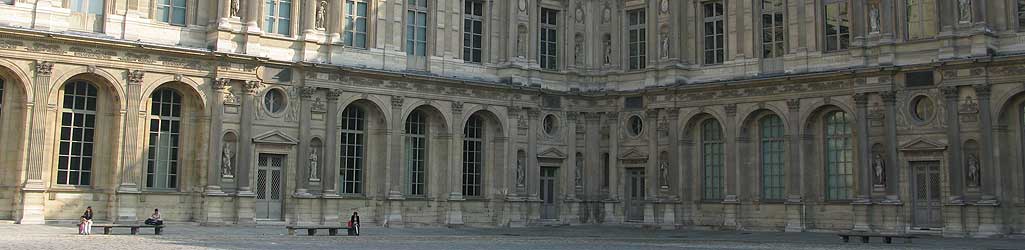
306	91
333	94
252	87
457	107
794	105
592	116
44	68
889	97
651	113
397	101
571	116
135	76
220	83
860	99
533	113
950	92
731	109
982	90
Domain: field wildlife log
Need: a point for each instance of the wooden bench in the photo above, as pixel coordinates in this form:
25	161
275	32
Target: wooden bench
887	238
312	230
157	229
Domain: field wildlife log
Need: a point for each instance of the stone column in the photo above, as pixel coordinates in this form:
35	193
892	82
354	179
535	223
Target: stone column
794	204
245	148
131	171
650	129
212	202
309	15
253	15
303	182
393	171
335	18
30	211
533	166
454	169
951	98
331	164
862	202
989	172
893	171
730	201
615	191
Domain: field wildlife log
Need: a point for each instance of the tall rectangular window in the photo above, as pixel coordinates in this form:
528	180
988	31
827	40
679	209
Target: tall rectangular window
1021	14
416	27
605	170
416	153
839	156
355	31
473	30
78	121
353	143
772	28
921	21
771	132
714	32
279	17
88	15
473	156
547	51
712	160
837	25
171	11
637	36
164	132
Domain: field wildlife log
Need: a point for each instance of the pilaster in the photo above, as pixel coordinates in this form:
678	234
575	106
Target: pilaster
331	169
30	210
893	173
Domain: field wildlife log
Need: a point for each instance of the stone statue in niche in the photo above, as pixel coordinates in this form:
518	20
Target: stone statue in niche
521	42
663	173
313	164
606	15
879	169
972	163
664	6
227	160
234	8
579	176
321	9
964	10
873	18
521	176
664	43
578	51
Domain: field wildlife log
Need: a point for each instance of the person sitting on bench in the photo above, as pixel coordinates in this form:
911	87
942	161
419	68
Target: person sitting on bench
354	224
155	218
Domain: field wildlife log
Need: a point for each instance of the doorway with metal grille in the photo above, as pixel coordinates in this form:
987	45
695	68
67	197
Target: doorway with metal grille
269	183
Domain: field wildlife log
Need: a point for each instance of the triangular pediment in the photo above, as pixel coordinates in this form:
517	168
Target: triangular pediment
923	144
633	154
552	153
275	137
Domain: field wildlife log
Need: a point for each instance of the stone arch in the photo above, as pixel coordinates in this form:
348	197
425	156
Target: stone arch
372	108
693	120
496	121
101	78
813	139
185	86
375	161
819	108
439	119
752	118
16	78
15	97
754	177
193	129
1008	164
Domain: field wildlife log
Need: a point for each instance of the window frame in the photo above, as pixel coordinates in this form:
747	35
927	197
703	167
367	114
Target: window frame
91	142
411	25
845	13
718	51
272	23
1020	14
771	140
416	144
471	50
712	140
352	143
172	173
548	39
846	136
474	148
637	38
351	19
158	5
924	21
776	28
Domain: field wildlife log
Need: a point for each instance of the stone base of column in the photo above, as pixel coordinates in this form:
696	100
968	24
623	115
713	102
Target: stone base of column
213	209
861	208
794	215
245	208
649	213
570	214
891	213
30	211
668	216
127	208
609	209
393	218
329	211
454	217
730	209
514	207
953	220
988	226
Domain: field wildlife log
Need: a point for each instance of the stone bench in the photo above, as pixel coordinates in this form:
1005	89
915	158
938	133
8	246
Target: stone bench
887	238
157	229
312	230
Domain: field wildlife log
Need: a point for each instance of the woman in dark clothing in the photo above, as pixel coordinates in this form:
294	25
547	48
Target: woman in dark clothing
354	224
87	222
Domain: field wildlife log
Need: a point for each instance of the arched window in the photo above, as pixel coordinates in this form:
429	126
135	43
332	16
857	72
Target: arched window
353	143
839	156
712	160
771	133
78	120
416	153
164	132
473	156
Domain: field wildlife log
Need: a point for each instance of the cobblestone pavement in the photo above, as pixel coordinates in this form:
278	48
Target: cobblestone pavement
570	237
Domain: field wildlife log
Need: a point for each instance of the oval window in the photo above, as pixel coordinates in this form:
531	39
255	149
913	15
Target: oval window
636	125
274	101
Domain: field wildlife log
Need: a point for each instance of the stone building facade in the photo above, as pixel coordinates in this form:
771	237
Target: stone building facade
789	115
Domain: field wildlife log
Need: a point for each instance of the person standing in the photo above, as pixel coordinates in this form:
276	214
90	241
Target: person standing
86	226
354	224
155	219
